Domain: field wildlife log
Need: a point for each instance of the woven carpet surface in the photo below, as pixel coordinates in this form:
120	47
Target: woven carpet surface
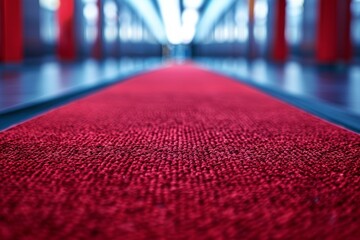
179	153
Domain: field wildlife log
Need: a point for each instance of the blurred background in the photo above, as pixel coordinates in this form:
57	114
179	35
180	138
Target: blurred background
308	50
309	30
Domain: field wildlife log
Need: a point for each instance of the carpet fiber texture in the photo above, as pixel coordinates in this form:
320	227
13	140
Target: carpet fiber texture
179	153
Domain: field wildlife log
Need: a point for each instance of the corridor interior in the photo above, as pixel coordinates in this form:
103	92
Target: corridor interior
179	119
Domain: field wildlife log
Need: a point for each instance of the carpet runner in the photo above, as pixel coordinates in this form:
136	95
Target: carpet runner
179	153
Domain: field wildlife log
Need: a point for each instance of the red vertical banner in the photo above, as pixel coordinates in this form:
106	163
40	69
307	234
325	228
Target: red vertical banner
66	42
333	41
11	31
97	51
326	42
279	47
345	41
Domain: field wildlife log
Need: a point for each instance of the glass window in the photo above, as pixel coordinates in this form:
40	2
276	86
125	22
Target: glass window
48	25
294	16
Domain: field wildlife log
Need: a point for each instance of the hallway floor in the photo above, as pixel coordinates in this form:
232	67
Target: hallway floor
32	89
330	93
179	153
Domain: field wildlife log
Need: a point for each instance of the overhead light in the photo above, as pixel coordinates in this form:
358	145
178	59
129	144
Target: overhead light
147	11
190	16
193	3
188	33
170	11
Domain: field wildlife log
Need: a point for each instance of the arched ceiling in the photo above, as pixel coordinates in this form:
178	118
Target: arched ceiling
180	21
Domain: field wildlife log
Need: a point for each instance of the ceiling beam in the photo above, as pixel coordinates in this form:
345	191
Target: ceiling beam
147	11
171	15
212	13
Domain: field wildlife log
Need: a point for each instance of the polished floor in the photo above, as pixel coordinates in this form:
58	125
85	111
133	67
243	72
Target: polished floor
338	86
332	93
35	88
28	84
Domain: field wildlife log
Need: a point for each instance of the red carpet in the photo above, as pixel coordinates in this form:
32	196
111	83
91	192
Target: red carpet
179	153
